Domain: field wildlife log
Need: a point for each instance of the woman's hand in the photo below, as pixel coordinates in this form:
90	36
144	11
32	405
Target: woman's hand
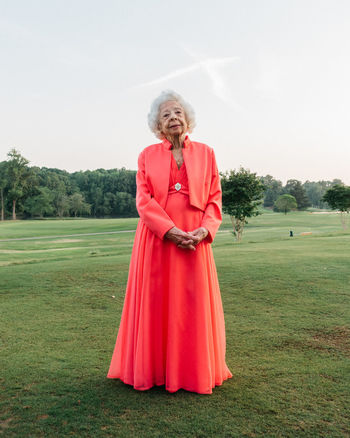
182	239
199	233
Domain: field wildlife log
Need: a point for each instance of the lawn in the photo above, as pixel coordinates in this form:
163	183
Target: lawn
286	303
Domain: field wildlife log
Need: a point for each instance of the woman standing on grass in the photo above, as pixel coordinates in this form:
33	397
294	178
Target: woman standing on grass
172	329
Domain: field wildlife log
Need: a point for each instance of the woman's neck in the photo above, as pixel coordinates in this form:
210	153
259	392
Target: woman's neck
177	140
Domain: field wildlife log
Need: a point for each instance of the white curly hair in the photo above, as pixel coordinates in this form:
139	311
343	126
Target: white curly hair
165	96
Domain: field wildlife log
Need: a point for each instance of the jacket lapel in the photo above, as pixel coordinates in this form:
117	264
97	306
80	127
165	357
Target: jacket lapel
159	161
196	169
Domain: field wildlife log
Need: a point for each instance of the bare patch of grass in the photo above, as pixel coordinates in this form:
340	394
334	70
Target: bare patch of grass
5	424
337	337
331	340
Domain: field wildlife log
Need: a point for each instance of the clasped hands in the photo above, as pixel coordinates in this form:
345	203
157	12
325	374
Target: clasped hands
186	240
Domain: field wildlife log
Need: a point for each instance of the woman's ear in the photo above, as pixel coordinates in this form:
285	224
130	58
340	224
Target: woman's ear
188	124
159	128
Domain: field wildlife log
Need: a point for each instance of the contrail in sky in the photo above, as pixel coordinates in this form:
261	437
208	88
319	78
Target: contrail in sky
172	75
211	67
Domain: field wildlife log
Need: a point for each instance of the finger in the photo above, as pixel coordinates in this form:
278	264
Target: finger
186	239
187	234
195	234
191	247
187	242
196	239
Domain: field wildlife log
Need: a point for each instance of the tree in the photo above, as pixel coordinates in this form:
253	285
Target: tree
62	204
40	204
78	205
314	193
295	188
101	189
18	175
285	203
338	198
125	205
3	187
242	193
273	188
316	190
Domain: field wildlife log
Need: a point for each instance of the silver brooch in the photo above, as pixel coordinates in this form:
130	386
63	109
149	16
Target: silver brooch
177	186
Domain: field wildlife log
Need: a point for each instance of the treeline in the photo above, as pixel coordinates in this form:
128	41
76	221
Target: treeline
31	192
307	194
37	192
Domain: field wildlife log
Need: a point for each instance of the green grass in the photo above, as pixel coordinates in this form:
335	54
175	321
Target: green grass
286	303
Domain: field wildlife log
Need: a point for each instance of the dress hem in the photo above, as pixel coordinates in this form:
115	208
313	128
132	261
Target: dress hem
173	389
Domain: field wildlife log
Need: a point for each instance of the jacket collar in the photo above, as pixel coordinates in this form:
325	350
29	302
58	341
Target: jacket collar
168	145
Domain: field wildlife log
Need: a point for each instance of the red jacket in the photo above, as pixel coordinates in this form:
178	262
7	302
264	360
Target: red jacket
152	181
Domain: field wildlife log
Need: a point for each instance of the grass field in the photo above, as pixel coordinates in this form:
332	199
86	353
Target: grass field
286	303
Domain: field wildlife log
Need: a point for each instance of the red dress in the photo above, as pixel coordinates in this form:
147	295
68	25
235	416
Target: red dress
172	329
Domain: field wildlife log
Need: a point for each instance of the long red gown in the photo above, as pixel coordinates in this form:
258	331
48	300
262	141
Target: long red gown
172	329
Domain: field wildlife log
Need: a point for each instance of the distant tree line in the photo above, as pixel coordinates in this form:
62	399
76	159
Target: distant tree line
38	192
307	194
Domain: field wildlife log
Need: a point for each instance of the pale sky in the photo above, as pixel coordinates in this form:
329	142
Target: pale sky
269	81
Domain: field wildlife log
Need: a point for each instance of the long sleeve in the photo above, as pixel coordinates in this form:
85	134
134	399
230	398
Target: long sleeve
151	213
212	216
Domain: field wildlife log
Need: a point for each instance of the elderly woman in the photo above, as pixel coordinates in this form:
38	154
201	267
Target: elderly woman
172	329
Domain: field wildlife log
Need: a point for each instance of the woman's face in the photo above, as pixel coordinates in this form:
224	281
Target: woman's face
172	119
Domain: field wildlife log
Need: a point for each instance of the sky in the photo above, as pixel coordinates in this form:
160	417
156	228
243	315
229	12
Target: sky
269	81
